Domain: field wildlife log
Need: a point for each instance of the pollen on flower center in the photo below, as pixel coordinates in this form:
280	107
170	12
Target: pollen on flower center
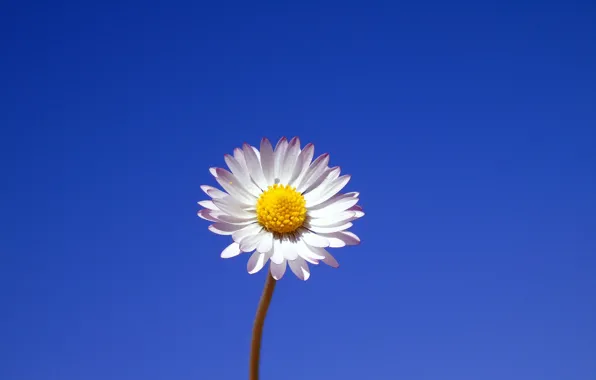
281	209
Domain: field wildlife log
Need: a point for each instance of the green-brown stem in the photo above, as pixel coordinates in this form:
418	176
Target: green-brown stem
257	330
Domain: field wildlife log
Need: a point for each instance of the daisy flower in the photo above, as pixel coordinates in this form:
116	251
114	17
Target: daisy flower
282	205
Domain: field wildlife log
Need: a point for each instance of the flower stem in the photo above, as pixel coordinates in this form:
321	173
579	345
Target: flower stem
257	330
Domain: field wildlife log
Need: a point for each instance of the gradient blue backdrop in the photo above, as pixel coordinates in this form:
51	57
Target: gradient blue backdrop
468	127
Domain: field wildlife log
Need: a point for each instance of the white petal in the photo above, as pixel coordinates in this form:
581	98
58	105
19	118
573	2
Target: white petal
288	249
220	216
268	161
212	171
208	205
250	243
277	270
231	250
234	187
323	255
326	191
302	163
209	215
231	206
239	156
334	173
256	262
257	153
324	180
355	208
332	219
254	166
309	253
279	156
300	268
341	239
240	171
266	244
330	229
213	192
357	215
341	204
231	219
251	229
330	260
242	175
277	255
290	160
314	171
313	239
335	198
222	228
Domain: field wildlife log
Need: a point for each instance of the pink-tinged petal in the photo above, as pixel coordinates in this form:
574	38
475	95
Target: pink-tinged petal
356	208
257	153
212	171
239	156
327	258
313	173
290	160
302	163
266	244
316	196
357	215
340	205
254	166
278	270
213	192
333	174
341	239
330	260
222	228
334	199
234	187
231	219
300	268
251	229
332	219
327	230
216	193
236	168
232	207
279	156
324	180
208	205
231	250
209	215
268	161
313	239
242	175
250	243
308	253
256	262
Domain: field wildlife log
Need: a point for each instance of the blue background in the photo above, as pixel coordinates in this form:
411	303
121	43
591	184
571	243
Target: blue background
468	127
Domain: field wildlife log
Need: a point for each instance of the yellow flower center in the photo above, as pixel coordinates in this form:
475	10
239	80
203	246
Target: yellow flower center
281	209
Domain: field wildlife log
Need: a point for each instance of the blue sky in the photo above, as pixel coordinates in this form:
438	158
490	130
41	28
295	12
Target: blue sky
468	128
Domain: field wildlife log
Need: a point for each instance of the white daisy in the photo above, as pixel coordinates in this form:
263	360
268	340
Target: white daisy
281	205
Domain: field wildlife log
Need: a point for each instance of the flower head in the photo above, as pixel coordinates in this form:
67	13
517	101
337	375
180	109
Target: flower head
282	205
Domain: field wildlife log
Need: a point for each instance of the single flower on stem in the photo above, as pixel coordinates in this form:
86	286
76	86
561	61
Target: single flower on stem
283	207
